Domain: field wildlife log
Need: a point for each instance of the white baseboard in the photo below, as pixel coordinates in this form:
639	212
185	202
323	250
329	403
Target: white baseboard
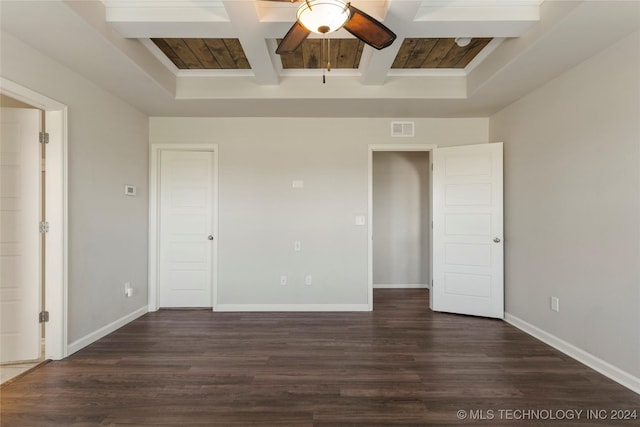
105	330
292	307
400	286
595	363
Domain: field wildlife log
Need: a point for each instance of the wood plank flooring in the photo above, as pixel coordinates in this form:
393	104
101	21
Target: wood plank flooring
399	365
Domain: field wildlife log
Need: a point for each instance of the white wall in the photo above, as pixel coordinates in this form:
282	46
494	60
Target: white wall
260	215
108	147
572	205
401	211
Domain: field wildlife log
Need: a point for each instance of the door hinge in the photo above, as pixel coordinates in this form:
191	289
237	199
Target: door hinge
44	137
44	227
43	316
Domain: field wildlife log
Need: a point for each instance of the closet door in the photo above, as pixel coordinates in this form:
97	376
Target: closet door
186	228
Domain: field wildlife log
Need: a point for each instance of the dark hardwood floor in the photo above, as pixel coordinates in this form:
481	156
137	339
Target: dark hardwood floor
400	365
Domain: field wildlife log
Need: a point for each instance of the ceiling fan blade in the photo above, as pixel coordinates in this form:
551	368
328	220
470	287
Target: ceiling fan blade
368	29
294	38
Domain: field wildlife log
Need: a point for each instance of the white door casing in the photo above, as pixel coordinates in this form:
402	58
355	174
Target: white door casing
56	253
396	148
20	247
468	247
186	228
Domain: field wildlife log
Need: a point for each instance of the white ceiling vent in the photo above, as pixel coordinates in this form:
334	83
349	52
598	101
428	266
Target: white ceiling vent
402	129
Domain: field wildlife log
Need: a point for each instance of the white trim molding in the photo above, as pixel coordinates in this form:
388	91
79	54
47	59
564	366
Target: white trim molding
291	307
81	343
595	363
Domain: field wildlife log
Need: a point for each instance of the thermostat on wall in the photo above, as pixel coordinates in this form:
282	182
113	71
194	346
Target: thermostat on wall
130	190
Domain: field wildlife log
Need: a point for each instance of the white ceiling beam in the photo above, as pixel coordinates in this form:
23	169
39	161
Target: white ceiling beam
210	18
478	10
474	18
173	18
142	30
245	18
375	65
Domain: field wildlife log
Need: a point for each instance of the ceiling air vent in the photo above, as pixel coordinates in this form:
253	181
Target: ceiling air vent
402	129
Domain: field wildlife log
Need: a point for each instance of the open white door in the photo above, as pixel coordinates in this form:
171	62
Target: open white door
468	251
19	234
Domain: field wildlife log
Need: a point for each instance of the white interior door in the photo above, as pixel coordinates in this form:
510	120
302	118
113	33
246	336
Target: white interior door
186	227
20	240
468	251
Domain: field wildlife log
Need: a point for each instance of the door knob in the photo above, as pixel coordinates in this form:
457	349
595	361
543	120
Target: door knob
210	237
496	239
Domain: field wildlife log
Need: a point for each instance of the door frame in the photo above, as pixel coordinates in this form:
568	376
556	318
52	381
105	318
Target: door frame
154	218
392	147
56	199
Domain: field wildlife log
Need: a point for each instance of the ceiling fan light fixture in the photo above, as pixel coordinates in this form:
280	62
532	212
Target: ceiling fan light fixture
323	16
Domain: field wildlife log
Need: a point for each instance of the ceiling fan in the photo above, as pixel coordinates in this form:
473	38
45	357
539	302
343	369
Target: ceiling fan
327	16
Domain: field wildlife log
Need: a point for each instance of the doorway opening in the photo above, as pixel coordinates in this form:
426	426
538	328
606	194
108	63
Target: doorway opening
466	238
51	297
399	217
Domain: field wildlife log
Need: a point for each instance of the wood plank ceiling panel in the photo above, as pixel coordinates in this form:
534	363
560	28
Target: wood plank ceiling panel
344	53
437	53
210	54
204	54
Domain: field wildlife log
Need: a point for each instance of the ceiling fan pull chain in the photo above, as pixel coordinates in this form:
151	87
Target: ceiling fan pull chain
324	39
328	54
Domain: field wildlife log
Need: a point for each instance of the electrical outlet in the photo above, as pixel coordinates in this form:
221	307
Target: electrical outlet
555	304
283	280
308	280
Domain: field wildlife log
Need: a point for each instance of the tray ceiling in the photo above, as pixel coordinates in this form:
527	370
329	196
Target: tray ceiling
531	42
217	37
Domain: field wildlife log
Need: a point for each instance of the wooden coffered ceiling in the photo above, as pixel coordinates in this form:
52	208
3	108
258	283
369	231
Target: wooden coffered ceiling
202	39
414	53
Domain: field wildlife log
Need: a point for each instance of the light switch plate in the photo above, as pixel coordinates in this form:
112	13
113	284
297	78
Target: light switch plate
130	190
360	220
297	184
